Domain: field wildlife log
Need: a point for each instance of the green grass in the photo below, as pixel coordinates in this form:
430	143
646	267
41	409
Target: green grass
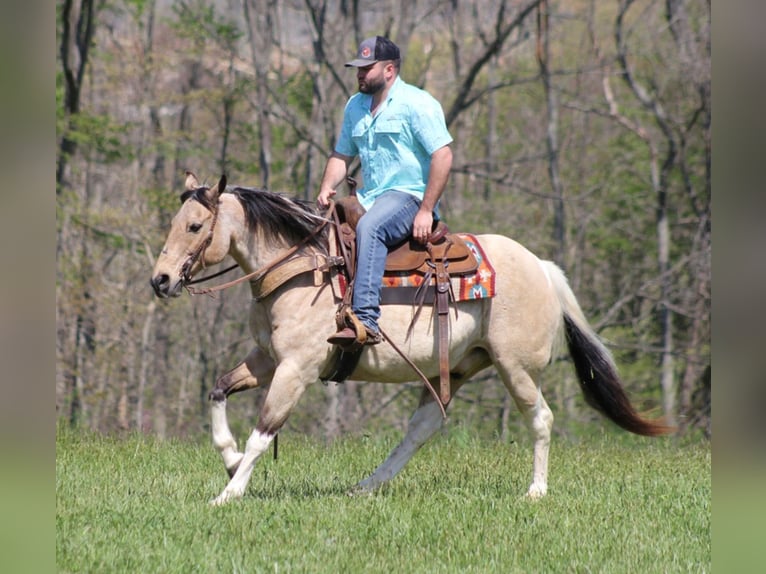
615	504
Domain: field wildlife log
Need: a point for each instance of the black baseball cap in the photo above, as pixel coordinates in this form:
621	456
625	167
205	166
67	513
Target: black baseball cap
375	49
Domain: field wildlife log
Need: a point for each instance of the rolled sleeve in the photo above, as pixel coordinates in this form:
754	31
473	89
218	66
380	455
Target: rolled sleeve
345	144
429	126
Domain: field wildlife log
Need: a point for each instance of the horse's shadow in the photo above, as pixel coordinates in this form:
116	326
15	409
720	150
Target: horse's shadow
305	492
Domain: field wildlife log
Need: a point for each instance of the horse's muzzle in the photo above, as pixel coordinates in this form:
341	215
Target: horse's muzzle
163	287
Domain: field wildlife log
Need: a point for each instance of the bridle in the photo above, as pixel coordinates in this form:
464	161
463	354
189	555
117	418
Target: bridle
256	275
261	272
199	253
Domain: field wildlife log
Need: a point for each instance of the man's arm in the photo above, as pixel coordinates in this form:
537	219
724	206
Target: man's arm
334	174
441	163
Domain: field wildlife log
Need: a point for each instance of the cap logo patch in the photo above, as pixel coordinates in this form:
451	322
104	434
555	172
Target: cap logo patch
365	52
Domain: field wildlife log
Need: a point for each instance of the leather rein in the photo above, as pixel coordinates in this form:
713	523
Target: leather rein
254	276
263	271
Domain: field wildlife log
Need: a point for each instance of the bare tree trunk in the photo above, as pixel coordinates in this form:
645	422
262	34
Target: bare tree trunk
77	29
78	25
146	353
692	371
698	305
551	140
505	417
406	25
260	16
229	82
332	414
668	380
463	98
659	177
491	141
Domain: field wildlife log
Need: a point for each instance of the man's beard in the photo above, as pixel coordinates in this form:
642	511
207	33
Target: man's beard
372	87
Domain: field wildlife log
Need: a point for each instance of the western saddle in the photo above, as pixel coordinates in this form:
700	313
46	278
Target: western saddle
443	255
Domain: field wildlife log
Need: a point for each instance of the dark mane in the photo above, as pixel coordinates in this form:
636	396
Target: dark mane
280	216
197	194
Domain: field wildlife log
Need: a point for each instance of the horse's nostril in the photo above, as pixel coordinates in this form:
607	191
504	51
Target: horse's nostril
160	283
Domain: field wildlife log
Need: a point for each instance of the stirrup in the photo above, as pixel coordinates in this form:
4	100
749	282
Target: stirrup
352	333
348	339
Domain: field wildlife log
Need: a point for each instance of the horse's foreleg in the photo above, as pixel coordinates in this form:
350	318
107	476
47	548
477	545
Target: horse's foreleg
223	441
256	370
255	447
286	388
426	420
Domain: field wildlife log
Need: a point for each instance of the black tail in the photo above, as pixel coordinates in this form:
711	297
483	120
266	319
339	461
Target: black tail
600	383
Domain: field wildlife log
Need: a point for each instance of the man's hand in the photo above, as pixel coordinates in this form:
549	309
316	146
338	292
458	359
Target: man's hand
441	163
334	174
421	227
324	196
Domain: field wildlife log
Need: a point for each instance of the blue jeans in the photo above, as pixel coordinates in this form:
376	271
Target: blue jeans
387	223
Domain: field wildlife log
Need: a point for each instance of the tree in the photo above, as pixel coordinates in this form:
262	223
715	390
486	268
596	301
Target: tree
597	175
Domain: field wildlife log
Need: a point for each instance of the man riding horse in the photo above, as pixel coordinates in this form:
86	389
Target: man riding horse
399	133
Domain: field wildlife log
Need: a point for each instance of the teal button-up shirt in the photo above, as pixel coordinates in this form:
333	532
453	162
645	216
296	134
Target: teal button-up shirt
395	145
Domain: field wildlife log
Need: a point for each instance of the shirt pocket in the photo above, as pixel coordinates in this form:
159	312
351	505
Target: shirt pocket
392	126
388	132
359	130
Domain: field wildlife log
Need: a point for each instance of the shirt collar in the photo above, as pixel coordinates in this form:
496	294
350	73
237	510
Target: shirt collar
398	82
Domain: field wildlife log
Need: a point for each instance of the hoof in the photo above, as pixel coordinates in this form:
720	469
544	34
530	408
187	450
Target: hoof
224	498
537	491
359	491
365	487
217	395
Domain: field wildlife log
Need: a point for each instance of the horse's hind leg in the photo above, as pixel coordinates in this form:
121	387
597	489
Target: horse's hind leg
256	370
425	421
539	419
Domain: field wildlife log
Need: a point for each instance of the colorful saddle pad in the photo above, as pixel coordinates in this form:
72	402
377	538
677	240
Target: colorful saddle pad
399	286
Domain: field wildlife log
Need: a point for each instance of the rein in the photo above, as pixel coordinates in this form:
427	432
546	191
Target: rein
261	272
213	276
199	253
256	275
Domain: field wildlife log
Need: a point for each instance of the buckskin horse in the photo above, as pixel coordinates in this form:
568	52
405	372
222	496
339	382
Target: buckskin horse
516	331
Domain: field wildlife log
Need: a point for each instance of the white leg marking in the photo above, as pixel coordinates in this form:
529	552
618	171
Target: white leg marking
540	423
223	441
423	424
256	446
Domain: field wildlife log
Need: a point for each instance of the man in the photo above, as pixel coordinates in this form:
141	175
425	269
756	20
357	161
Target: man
400	135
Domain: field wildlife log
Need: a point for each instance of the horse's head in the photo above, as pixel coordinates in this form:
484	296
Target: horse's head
194	241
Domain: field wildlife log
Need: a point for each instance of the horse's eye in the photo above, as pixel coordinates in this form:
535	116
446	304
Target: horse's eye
195	227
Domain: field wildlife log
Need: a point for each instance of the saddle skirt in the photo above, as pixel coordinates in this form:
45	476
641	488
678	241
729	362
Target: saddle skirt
411	263
399	287
448	268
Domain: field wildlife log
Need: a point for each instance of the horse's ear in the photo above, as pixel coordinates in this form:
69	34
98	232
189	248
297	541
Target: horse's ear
217	189
191	182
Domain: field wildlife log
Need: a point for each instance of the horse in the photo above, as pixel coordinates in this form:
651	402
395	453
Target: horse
517	331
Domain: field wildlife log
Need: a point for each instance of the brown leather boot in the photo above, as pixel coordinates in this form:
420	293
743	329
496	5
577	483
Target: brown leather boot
346	337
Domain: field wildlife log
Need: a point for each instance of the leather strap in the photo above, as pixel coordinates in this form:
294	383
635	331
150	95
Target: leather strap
420	373
259	273
442	311
265	285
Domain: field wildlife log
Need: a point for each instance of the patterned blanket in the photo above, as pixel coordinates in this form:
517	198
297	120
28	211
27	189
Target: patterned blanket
477	285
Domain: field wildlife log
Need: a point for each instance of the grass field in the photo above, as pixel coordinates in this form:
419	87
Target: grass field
616	503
